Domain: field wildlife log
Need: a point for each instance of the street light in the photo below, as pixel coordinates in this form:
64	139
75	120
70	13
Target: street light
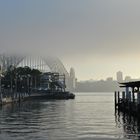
28	83
1	86
0	89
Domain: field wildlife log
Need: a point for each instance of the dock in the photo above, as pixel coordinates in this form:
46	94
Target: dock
49	86
35	96
128	101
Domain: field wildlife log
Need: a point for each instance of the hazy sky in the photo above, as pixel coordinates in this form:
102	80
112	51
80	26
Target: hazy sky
96	37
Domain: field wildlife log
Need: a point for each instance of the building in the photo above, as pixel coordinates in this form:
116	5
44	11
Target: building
52	82
119	76
127	79
72	79
109	79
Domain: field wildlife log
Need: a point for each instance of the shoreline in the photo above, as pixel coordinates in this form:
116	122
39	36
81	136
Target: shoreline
35	96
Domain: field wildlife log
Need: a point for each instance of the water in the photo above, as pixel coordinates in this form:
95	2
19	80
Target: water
89	116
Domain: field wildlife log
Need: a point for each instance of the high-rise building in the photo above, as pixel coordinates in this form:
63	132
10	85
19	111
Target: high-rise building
72	78
119	76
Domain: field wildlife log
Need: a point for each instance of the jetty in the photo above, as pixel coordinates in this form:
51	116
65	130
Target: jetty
128	101
50	85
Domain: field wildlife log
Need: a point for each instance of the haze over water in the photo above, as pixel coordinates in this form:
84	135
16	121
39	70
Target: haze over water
96	37
89	116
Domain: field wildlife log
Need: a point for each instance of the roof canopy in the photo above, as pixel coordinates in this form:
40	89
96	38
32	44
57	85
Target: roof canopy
130	84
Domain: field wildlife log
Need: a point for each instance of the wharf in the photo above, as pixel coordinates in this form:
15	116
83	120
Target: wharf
128	101
52	95
50	85
36	96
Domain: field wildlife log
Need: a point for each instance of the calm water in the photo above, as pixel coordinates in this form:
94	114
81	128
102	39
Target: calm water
89	116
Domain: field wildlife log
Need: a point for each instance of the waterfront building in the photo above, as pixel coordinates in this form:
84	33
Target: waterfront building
52	82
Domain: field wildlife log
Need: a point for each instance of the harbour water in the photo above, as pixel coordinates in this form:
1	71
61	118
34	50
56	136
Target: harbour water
89	116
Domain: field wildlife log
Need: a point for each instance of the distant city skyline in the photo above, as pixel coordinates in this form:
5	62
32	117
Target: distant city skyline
120	77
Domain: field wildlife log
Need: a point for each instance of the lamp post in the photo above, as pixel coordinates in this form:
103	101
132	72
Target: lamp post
0	88
11	78
16	86
20	87
28	83
31	84
11	82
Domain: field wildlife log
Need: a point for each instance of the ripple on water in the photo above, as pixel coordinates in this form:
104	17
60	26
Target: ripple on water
89	116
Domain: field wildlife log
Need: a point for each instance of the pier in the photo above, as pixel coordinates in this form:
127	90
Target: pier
21	84
128	101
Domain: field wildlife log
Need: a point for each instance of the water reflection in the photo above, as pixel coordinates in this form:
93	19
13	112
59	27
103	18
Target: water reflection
15	119
130	124
89	116
31	120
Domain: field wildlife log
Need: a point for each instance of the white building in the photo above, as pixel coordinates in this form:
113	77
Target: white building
72	79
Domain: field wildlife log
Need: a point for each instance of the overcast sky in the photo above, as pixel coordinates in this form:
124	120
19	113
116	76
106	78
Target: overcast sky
96	37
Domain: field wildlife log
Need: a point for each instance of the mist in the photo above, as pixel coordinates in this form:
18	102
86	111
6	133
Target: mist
96	37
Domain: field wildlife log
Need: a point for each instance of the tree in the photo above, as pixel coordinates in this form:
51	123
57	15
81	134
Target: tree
12	74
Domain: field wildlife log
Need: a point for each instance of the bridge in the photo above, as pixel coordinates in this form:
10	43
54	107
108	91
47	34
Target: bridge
44	64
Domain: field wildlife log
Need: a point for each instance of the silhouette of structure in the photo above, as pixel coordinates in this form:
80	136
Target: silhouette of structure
44	64
128	101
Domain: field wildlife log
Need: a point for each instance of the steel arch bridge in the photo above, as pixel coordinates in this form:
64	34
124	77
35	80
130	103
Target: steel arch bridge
44	64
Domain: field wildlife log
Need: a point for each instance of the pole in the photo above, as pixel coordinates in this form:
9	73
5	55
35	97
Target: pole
35	82
127	93
11	85
115	96
0	89
16	86
133	94
28	84
123	95
118	98
64	82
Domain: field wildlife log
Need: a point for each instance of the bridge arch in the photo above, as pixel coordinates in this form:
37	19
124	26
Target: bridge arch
44	64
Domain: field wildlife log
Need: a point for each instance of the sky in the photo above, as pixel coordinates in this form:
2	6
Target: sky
96	37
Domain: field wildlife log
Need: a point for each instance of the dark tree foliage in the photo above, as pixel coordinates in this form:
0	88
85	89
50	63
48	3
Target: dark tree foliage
20	74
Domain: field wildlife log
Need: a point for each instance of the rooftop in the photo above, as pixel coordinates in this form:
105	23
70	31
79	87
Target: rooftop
130	84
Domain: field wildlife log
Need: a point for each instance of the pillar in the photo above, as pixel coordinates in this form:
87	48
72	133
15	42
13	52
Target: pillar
118	97
123	95
133	94
130	96
115	99
138	97
127	93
